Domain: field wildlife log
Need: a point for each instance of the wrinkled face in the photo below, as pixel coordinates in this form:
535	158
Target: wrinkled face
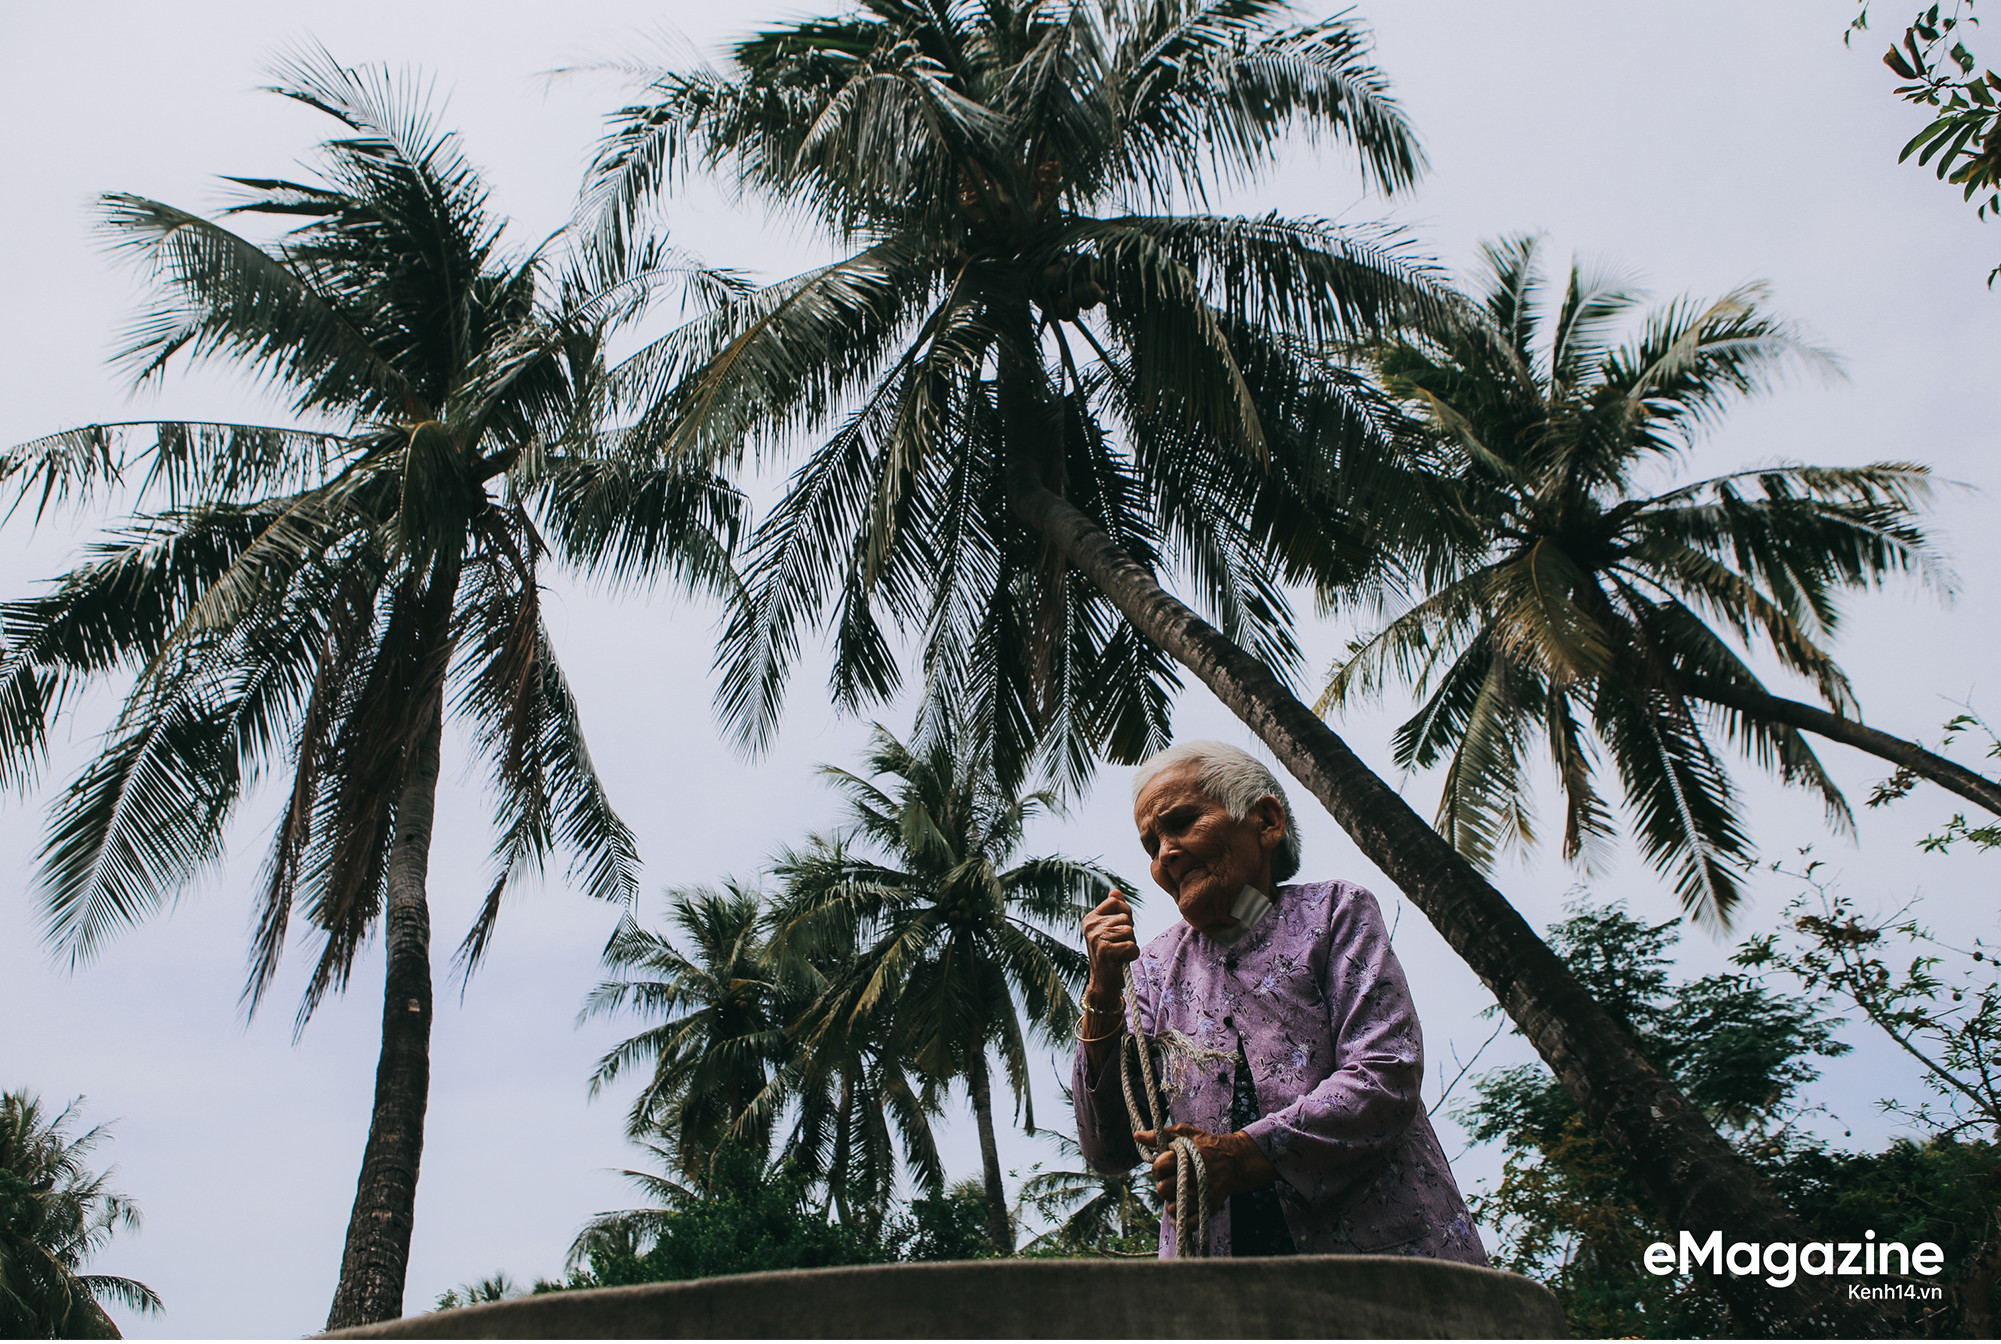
1202	856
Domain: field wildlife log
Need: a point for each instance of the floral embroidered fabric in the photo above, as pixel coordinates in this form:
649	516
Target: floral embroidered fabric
1312	1004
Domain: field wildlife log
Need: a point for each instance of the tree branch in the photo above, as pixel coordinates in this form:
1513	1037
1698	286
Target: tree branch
1759	703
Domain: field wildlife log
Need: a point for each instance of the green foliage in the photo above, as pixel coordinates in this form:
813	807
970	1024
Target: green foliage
1572	1218
317	601
948	938
497	1287
306	592
896	954
954	955
1564	605
726	1061
1941	1004
55	1214
1964	134
725	1020
1958	830
746	1216
742	1217
1737	1050
1569	1214
948	1224
1014	304
1093	1214
1939	1190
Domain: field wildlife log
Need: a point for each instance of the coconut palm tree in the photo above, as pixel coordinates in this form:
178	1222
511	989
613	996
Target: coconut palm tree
984	249
1045	389
957	957
1099	1212
860	1110
725	1066
1583	606
327	594
496	1287
723	1036
55	1213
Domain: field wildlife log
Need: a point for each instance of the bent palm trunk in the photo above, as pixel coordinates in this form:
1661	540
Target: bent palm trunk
977	1083
1697	1180
1976	789
377	1253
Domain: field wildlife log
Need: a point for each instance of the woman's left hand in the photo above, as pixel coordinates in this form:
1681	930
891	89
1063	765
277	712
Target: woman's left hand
1234	1162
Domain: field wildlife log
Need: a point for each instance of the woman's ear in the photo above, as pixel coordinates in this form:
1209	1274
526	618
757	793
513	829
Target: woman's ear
1272	821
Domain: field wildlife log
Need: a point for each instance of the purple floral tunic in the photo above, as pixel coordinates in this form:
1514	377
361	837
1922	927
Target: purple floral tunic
1315	994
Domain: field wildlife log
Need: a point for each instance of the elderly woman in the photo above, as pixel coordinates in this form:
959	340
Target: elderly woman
1298	1080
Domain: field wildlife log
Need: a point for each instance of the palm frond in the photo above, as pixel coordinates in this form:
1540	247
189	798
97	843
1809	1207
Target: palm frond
1592	304
1692	361
547	793
1483	806
1320	282
1557	586
631	524
1687	814
757	368
237	301
138	823
1207	86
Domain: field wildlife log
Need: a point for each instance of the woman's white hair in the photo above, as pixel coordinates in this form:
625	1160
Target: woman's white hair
1234	778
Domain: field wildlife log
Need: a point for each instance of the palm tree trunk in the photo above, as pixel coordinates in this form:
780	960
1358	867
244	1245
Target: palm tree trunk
377	1253
977	1083
1761	704
1697	1179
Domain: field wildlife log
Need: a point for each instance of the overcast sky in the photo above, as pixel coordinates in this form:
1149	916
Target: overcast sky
1699	145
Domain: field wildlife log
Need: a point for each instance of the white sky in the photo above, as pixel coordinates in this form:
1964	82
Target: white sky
1700	145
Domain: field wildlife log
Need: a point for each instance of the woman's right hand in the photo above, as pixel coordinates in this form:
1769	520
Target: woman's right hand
1109	938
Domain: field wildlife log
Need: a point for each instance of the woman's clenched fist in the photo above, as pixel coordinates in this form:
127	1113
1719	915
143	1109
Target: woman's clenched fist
1109	938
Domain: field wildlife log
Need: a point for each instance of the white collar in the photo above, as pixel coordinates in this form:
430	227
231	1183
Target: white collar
1250	907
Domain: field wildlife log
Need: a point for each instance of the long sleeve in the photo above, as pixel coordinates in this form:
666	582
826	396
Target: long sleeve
1312	998
1340	1129
1104	1130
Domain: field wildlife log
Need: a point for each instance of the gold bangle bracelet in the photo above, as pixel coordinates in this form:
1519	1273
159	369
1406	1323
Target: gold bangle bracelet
1119	1030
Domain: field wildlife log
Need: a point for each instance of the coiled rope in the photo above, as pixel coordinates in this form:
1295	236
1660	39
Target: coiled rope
1191	1216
